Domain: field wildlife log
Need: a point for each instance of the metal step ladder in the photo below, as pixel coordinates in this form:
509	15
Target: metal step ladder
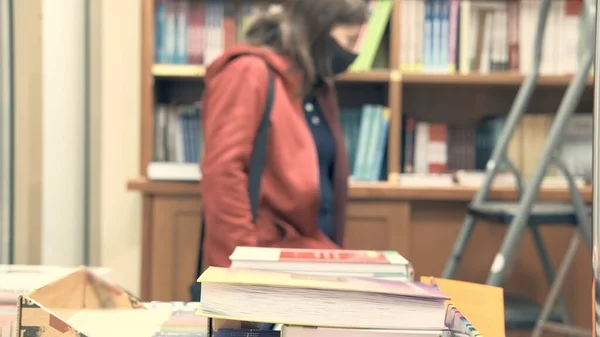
527	212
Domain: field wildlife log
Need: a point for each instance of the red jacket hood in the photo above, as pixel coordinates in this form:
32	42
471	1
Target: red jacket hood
278	63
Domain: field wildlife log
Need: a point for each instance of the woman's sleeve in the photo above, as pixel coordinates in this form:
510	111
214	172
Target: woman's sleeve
232	111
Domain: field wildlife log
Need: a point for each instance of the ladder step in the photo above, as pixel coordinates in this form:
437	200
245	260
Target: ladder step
566	330
547	213
521	313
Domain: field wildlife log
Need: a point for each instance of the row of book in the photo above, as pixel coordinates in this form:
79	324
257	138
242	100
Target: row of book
197	32
436	35
178	133
305	292
179	144
486	36
366	133
436	148
427	148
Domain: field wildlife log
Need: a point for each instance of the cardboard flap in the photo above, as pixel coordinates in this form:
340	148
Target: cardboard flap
100	294
50	309
66	292
83	289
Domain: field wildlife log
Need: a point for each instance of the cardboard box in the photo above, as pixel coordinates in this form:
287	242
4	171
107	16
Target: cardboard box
82	304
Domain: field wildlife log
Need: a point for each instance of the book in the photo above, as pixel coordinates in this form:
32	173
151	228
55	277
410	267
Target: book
383	264
246	333
320	300
482	304
303	331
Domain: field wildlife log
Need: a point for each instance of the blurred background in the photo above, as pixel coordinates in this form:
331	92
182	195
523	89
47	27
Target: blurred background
70	137
100	139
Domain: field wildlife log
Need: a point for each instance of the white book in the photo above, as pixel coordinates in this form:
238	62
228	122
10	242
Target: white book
172	171
383	264
304	331
318	300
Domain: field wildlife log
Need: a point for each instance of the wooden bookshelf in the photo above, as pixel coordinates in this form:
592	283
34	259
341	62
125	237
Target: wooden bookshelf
420	222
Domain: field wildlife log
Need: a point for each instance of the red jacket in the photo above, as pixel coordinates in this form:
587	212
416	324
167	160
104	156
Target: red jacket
233	102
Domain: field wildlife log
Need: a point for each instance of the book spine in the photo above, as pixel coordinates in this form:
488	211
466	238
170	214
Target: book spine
458	323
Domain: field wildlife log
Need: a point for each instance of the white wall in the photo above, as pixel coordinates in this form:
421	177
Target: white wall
116	213
27	130
5	132
63	138
43	102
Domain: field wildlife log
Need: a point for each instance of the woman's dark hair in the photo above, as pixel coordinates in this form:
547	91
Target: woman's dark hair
301	32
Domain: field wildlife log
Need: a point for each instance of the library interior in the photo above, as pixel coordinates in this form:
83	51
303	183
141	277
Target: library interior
470	206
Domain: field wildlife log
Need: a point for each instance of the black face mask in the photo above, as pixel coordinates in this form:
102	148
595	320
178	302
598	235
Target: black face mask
341	59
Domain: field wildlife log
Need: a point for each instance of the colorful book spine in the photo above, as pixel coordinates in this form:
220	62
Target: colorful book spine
382	136
458	323
160	14
428	35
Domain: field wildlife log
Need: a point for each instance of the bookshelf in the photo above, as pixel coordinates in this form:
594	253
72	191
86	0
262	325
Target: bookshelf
384	214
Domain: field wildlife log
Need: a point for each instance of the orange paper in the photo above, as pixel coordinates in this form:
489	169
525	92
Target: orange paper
481	305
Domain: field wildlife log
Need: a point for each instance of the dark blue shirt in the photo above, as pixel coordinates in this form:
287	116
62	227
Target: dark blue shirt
325	145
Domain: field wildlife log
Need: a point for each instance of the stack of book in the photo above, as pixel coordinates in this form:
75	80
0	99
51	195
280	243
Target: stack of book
327	293
379	264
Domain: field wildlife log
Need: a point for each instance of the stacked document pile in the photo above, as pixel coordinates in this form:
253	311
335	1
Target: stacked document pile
16	280
328	293
343	302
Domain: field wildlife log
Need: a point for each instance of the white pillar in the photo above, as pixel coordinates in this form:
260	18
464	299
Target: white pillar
6	197
63	142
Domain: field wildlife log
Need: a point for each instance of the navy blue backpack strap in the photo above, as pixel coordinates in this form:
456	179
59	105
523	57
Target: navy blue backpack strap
259	151
257	166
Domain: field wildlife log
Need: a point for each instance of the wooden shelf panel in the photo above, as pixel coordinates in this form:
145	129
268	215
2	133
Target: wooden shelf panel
198	71
178	70
500	79
374	191
374	76
384	76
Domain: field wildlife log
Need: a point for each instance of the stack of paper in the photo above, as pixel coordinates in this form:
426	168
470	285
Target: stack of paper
381	264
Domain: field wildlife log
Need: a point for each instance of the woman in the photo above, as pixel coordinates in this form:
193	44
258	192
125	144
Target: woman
304	182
